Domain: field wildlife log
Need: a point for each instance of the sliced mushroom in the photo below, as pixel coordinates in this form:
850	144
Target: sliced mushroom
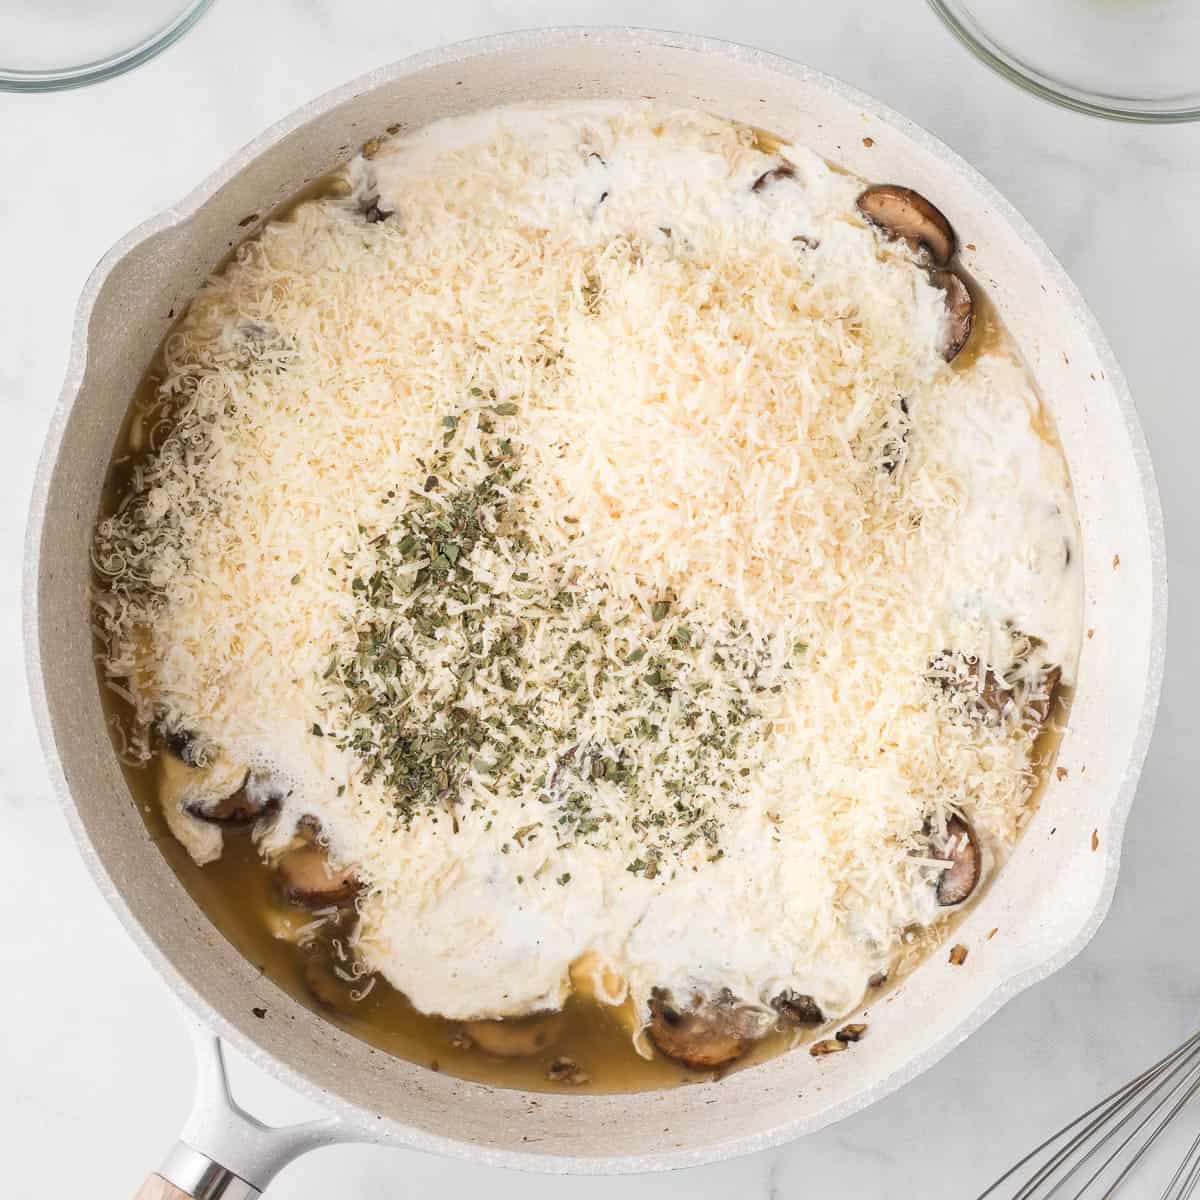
958	880
991	699
960	313
704	1035
798	1007
782	171
827	1046
326	985
237	809
308	879
217	793
902	213
254	799
518	1037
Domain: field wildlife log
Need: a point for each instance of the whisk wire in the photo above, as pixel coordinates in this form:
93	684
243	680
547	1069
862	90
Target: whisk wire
1193	1179
1107	1107
1192	1081
1188	1172
1167	1085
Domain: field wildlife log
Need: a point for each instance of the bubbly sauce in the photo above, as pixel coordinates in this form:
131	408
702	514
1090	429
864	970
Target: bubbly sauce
244	899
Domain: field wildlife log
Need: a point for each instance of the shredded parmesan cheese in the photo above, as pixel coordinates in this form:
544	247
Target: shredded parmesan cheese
745	506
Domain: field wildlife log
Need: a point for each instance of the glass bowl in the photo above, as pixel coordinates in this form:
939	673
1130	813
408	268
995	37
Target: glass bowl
48	45
1130	60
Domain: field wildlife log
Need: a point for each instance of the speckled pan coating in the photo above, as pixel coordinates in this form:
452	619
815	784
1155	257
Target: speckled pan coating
1046	904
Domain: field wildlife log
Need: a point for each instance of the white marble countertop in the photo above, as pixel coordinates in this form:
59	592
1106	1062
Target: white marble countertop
95	1070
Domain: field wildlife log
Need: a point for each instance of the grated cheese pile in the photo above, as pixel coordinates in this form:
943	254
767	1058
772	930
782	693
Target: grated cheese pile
569	525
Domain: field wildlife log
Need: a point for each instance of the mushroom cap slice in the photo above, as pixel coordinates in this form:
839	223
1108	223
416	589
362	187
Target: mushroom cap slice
960	313
959	879
237	809
1029	700
254	799
308	879
216	793
702	1036
517	1037
902	213
219	792
798	1007
782	171
990	698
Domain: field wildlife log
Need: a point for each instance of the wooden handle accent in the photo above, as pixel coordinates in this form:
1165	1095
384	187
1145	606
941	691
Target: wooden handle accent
157	1188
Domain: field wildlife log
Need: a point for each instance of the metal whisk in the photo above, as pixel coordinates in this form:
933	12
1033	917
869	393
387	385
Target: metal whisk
1097	1154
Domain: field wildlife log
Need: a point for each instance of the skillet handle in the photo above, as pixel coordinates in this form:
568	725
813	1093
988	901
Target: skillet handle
189	1175
224	1153
157	1188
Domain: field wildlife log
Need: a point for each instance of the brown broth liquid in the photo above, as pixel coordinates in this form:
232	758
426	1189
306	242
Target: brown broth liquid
243	898
240	894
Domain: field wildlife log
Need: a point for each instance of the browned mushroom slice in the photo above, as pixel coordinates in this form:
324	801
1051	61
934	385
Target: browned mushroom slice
308	879
797	1007
960	313
216	793
237	809
828	1046
517	1037
958	880
990	698
902	213
704	1035
254	799
783	171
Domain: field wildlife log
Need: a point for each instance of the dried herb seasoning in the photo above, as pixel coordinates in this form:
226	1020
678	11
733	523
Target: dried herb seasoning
481	665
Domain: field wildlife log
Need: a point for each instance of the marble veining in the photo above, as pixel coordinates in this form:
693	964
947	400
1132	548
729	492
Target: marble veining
95	1069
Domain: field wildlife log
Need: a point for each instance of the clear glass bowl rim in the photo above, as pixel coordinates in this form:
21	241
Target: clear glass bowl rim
117	63
1098	104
